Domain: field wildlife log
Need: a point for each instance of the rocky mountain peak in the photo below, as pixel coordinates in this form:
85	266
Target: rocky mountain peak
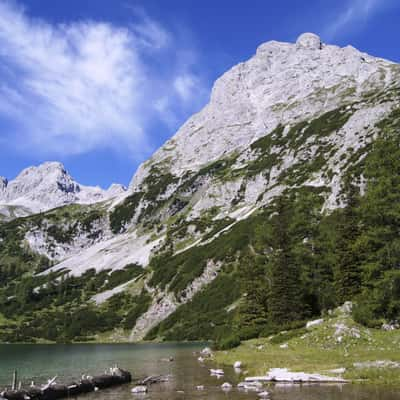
49	185
309	41
283	83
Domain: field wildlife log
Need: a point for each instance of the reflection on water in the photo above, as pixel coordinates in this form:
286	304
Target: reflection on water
69	362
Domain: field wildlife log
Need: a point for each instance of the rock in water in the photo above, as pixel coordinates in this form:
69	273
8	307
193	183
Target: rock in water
217	372
139	390
226	386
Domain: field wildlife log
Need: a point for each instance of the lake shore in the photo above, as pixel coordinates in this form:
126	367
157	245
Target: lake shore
335	346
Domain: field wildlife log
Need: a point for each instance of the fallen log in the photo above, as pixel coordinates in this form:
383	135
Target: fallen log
153	379
54	391
34	393
14	395
85	386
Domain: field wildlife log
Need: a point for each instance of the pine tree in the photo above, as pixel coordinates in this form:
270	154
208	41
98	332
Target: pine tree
348	274
251	316
284	300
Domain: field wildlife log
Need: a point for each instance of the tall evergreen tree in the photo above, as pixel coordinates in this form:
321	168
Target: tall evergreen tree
348	273
284	300
251	316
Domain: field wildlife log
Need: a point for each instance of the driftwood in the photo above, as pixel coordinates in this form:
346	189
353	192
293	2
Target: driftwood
14	382
55	391
153	379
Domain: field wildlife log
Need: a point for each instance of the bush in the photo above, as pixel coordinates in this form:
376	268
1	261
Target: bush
250	332
363	313
227	343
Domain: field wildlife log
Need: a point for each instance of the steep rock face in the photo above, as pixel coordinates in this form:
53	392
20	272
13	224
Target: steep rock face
48	186
283	83
290	115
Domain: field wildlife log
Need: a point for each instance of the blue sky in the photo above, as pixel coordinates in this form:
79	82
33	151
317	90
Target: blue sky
101	84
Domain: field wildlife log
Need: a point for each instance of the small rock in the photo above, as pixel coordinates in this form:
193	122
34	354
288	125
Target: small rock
263	394
237	364
139	389
284	346
390	327
346	308
254	386
169	359
200	359
226	386
207	352
316	322
200	387
217	372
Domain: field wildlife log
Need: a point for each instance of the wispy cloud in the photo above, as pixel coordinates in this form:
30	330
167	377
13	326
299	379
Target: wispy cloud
71	88
352	16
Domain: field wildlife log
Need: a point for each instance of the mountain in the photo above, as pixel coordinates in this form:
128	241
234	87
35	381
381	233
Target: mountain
276	202
47	186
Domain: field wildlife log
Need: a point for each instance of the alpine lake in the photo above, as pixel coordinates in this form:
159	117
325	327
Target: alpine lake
39	363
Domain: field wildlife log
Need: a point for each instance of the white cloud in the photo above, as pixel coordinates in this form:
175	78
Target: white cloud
355	13
186	85
75	87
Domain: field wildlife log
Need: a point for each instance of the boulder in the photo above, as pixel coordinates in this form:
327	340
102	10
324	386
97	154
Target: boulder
139	389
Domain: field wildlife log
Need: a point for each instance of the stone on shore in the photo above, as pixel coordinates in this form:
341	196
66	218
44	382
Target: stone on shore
313	323
206	352
284	375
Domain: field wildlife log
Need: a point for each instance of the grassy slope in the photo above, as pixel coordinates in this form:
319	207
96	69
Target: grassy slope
319	350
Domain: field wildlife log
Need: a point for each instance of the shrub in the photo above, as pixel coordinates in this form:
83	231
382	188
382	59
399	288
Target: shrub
363	313
227	343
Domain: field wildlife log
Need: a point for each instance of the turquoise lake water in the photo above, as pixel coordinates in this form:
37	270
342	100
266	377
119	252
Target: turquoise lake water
69	362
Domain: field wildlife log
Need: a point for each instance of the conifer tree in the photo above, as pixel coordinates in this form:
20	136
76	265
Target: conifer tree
347	274
284	302
251	316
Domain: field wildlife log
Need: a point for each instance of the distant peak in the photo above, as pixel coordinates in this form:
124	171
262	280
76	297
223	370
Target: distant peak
309	41
52	165
46	167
